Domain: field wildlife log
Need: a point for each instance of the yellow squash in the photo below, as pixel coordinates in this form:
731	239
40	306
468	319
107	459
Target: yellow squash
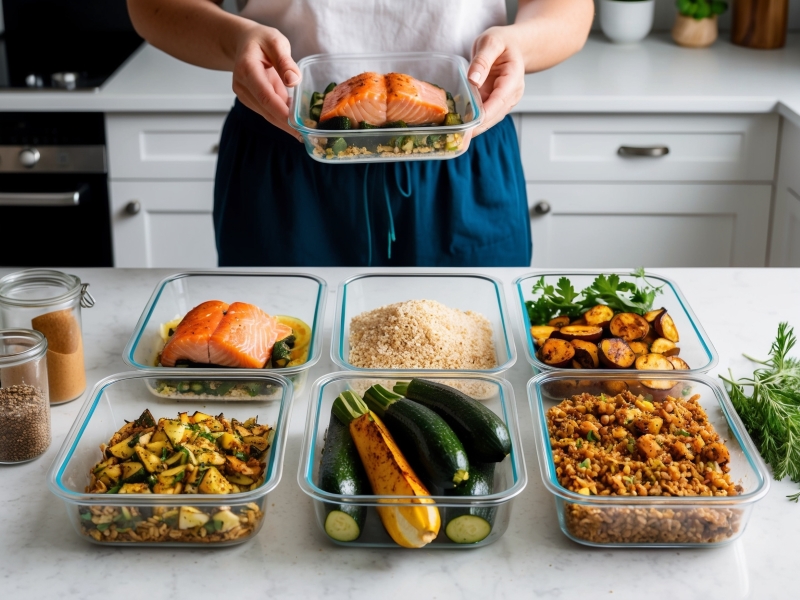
390	474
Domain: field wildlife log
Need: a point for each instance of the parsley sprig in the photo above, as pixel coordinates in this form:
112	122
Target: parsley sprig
562	299
771	413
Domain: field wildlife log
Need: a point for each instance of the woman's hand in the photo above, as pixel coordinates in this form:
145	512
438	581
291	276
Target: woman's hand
263	69
498	69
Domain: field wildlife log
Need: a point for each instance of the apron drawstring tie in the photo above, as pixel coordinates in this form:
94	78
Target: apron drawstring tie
406	193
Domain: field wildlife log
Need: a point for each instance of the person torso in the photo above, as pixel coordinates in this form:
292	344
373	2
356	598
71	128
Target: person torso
359	26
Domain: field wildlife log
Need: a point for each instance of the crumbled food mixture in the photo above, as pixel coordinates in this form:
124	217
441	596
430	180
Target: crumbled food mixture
421	334
185	524
629	446
24	423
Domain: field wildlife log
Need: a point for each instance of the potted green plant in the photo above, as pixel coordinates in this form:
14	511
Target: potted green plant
626	21
696	22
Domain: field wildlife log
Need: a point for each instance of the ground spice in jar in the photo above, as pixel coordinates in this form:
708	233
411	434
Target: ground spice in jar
24	423
66	374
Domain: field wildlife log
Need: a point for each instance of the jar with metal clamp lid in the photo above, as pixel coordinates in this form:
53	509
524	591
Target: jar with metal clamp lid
50	302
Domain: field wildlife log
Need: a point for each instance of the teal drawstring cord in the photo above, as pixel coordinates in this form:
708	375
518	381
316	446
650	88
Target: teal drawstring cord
391	237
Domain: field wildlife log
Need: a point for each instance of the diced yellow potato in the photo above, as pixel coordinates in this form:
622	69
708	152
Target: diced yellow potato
214	483
225	521
134	488
199	417
111	474
214	425
159	436
174	430
150	461
210	458
228	441
171	476
123	450
160	488
190	517
131	470
158	447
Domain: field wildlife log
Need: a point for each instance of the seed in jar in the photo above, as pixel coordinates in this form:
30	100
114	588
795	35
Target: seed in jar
24	423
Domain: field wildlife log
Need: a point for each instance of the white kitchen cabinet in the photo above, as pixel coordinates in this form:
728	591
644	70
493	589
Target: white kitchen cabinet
652	225
163	224
785	246
684	147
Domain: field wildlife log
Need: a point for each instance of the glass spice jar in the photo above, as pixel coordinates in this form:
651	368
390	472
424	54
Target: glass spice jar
50	302
24	403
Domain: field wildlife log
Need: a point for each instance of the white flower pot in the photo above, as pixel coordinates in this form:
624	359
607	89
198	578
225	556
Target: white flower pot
626	22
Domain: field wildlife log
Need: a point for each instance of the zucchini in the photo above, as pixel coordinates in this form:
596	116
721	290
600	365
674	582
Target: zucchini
470	525
317	99
315	112
396	125
341	472
282	352
337	145
365	125
452	118
330	88
423	436
336	124
300	330
484	434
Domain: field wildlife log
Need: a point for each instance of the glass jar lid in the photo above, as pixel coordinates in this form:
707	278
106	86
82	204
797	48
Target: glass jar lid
42	287
18	346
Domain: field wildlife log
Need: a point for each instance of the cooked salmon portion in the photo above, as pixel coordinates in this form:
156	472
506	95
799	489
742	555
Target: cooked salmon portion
190	340
360	98
244	337
380	99
414	101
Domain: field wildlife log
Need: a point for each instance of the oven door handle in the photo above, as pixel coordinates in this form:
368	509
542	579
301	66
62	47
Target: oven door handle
41	199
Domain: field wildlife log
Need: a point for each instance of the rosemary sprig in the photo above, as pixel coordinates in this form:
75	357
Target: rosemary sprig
771	413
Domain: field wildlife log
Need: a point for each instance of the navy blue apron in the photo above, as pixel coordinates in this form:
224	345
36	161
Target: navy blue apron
275	206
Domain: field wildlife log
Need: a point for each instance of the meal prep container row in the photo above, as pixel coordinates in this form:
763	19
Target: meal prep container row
653	521
445	70
695	346
510	475
124	397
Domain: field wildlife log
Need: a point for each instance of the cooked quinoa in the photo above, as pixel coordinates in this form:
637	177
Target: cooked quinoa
421	334
629	446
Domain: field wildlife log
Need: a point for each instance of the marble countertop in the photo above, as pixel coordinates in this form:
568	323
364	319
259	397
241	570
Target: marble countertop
291	558
655	76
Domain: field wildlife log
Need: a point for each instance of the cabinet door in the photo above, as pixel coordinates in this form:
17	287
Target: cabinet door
629	225
785	248
163	224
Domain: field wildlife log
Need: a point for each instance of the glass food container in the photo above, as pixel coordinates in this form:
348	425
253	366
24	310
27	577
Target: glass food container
295	294
386	144
651	521
157	519
24	403
694	346
467	292
50	302
510	477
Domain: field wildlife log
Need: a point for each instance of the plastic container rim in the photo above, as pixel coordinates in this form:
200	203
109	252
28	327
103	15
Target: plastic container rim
72	283
315	344
524	323
68	447
37	350
544	452
304	473
337	340
474	99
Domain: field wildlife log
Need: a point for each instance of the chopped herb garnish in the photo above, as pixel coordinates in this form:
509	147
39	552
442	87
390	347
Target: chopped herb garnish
592	437
631	446
87	516
579	443
103	526
241	456
584	464
684	433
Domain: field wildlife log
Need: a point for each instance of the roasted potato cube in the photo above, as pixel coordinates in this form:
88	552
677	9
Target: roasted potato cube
214	483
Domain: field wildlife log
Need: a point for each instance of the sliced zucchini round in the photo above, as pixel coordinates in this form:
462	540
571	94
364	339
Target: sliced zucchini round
341	527
468	529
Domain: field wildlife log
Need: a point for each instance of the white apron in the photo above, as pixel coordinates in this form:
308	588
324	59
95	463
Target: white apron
359	26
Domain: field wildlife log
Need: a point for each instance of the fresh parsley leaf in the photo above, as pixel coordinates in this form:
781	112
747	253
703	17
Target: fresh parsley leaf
584	464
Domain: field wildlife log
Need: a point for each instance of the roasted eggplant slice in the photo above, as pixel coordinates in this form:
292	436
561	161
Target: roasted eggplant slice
599	315
586	355
587	333
653	362
654	314
559	321
540	333
557	353
628	326
665	327
639	348
614	387
616	354
678	363
665	347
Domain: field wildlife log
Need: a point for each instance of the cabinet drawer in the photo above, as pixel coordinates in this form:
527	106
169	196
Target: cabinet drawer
163	146
700	147
628	225
163	224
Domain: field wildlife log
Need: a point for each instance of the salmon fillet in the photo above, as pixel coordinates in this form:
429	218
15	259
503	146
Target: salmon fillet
190	340
380	99
244	337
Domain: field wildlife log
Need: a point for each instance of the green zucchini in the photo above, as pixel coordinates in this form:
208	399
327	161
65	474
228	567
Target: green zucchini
197	387
341	472
422	436
282	352
336	124
396	125
365	125
453	118
337	145
330	88
484	434
315	112
317	99
471	524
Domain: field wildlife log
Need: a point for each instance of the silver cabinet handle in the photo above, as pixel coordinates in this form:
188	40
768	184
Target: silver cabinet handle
542	207
651	151
40	199
133	207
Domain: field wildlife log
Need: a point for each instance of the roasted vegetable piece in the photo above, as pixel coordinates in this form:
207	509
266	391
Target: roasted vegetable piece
341	472
452	118
587	333
423	437
614	387
484	434
336	124
655	362
616	354
586	355
282	352
599	315
665	347
214	483
628	326
557	353
330	88
540	333
389	474
471	525
652	315
639	348
665	327
561	321
678	363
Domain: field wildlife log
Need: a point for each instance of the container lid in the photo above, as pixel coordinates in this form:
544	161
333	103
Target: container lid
18	346
42	287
